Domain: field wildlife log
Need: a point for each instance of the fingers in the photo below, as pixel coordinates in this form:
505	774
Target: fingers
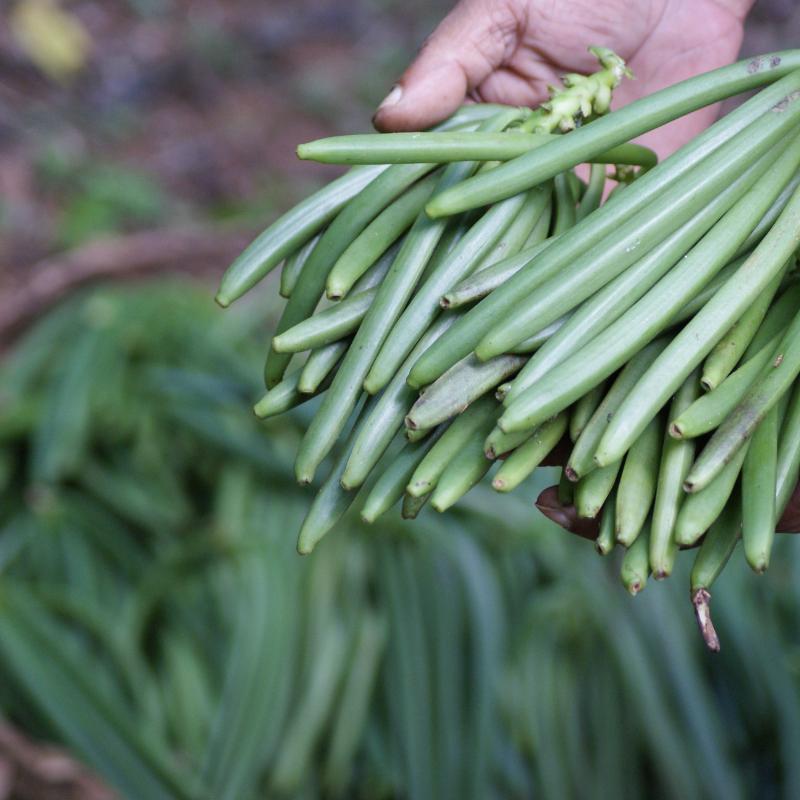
565	516
467	46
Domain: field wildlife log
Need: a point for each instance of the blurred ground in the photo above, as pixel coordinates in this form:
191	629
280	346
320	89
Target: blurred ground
186	112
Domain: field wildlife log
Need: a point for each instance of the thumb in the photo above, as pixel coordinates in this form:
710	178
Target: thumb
474	39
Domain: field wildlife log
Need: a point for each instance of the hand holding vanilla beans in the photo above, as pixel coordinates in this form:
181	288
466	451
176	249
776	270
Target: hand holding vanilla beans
466	300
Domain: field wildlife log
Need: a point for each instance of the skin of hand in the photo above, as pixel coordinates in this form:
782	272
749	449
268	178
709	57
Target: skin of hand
507	51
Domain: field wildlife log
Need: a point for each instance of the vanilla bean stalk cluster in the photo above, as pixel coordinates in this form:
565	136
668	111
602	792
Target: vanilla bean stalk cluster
467	301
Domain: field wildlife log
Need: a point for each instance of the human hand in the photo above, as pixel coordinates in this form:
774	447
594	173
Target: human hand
507	51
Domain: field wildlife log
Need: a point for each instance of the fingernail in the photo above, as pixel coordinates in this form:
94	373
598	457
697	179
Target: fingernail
393	98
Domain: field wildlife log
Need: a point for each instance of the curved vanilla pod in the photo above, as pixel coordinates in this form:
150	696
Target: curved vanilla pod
727	351
636	488
530	454
759	479
584	408
710	560
699	510
605	542
331	501
676	460
292	231
635	567
484	281
443	147
390	486
292	266
461	430
460	386
319	365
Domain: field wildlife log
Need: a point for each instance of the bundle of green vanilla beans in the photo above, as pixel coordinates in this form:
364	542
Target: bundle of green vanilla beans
467	300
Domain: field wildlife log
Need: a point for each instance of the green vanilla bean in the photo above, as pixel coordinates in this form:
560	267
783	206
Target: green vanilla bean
464	471
292	266
635	567
788	466
581	460
529	455
379	428
498	443
353	218
717	547
676	460
699	510
617	127
281	398
481	283
292	231
463	338
637	484
583	410
412	505
640	233
739	425
319	365
565	204
458	387
759	479
592	490
593	195
443	147
608	304
610	349
604	543
391	484
705	329
710	410
325	327
377	238
529	227
721	361
768	220
331	501
424	306
461	430
395	291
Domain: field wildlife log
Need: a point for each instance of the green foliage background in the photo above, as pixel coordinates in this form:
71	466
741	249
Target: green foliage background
155	617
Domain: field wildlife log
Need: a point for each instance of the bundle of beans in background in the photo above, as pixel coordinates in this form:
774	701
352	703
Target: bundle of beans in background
466	301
